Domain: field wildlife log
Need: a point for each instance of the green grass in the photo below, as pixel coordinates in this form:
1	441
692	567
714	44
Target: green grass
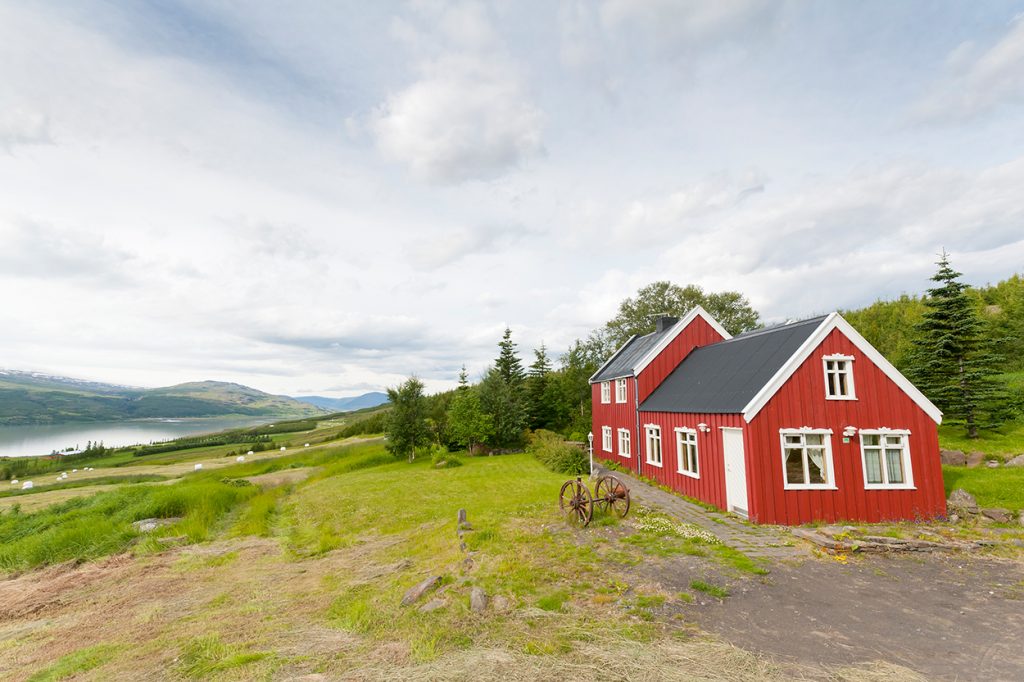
709	589
1002	487
203	657
76	662
1007	440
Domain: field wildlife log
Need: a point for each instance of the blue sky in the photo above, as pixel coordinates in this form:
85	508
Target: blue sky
324	197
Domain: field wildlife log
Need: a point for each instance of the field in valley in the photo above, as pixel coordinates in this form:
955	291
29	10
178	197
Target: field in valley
294	564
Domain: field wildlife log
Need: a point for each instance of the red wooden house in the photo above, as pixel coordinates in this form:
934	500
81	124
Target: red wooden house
796	423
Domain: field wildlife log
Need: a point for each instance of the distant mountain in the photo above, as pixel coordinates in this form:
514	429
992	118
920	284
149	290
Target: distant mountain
358	402
34	398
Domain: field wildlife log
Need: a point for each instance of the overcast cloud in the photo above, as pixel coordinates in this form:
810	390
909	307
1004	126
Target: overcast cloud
326	197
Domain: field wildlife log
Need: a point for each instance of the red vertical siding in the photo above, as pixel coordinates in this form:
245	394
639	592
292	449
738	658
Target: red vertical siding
618	416
880	404
710	487
697	333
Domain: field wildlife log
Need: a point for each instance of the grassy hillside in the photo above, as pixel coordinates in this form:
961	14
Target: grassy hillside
33	399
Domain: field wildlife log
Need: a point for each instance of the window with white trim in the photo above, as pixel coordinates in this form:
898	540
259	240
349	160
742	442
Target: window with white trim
606	392
606	438
686	452
653	444
807	459
886	458
839	377
624	442
620	390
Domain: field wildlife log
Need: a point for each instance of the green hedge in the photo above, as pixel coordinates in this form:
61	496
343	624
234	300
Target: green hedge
558	455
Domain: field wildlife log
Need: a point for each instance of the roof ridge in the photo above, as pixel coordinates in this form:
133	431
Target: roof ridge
769	330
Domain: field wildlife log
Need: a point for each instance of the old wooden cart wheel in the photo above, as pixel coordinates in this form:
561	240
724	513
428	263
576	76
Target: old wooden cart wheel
611	494
575	502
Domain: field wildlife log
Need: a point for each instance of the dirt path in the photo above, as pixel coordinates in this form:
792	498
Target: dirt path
950	617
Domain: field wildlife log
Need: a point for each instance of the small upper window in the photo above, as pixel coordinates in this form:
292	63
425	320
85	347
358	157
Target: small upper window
620	390
606	391
839	377
807	459
886	457
686	452
606	438
653	444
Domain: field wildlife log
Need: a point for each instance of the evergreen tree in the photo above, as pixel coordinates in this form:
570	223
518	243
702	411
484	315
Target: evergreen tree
463	379
503	403
540	395
406	427
508	364
952	361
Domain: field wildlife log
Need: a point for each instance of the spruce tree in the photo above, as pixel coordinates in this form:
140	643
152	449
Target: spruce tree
952	361
508	364
540	398
406	426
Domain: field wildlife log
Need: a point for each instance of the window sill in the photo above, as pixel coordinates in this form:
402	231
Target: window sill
689	474
851	397
809	487
877	486
655	464
626	455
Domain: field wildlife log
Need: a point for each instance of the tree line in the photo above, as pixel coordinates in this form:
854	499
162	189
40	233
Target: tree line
952	342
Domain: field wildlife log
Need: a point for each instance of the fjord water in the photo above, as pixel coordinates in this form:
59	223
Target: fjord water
42	439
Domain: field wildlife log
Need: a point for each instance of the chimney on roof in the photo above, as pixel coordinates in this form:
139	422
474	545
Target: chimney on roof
663	322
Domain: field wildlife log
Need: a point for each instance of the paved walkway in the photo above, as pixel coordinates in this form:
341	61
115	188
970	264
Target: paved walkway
773	542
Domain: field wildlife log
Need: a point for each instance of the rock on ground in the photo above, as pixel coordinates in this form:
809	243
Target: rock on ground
963	500
997	515
975	458
149	525
953	457
433	605
1017	461
477	600
414	593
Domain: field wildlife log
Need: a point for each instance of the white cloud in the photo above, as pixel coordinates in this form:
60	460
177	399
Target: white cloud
977	83
467	117
20	127
686	25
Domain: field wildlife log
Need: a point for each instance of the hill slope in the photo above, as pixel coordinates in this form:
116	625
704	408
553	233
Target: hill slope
32	398
358	402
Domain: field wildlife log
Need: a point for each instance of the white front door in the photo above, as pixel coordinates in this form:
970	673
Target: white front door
735	471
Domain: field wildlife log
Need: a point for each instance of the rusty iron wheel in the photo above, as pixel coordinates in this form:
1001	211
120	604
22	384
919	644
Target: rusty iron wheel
576	503
611	494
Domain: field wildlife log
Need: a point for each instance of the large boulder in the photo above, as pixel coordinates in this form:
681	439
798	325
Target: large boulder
962	501
975	458
997	515
953	457
1017	461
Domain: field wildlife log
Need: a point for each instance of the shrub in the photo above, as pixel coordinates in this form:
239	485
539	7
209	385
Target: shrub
558	455
442	459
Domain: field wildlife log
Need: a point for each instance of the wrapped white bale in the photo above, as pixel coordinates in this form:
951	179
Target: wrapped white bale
306	445
26	485
198	467
240	458
14	482
282	448
249	453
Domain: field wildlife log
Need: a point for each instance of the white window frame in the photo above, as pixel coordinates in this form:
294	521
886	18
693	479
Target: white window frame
681	447
624	440
652	433
606	438
908	471
620	390
847	371
606	392
826	443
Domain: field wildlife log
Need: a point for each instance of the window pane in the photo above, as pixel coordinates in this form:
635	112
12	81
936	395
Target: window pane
872	439
816	465
793	440
831	389
794	466
842	384
894	465
894	440
873	465
814	439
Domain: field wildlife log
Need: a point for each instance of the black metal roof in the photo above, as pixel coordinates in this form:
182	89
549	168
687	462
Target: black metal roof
628	357
723	377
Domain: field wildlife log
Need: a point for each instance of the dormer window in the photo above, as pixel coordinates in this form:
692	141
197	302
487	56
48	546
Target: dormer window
606	392
620	390
839	377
